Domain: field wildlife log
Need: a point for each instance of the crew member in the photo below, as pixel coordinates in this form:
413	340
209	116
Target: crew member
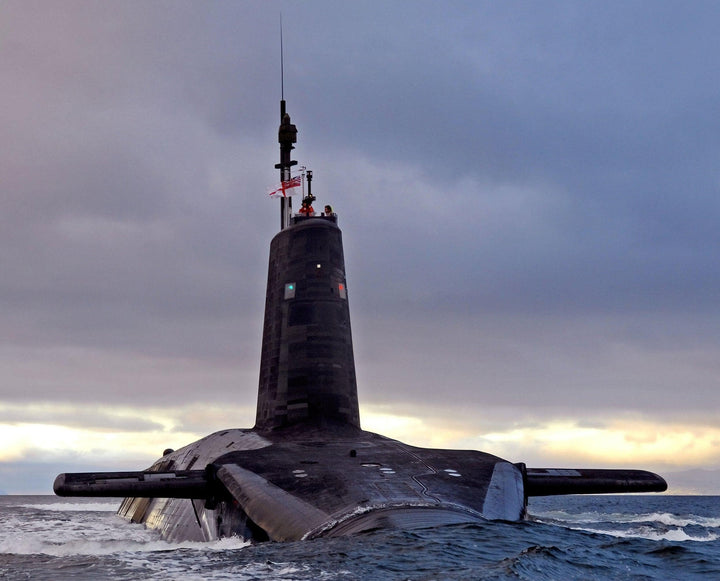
306	208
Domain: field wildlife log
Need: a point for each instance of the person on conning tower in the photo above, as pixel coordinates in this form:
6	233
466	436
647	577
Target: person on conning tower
306	209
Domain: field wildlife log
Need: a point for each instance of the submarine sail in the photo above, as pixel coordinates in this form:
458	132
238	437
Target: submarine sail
307	469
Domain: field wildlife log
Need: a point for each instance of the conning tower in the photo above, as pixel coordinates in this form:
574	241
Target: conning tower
307	368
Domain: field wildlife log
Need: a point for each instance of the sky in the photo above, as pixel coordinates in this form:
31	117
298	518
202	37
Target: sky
529	199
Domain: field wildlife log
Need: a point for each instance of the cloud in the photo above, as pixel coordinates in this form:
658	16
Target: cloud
77	417
542	365
528	198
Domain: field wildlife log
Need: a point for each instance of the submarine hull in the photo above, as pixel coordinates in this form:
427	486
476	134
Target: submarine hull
304	482
308	483
307	469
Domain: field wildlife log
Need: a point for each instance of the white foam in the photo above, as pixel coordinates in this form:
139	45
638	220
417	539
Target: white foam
59	532
30	544
664	518
674	520
657	526
244	571
676	535
75	506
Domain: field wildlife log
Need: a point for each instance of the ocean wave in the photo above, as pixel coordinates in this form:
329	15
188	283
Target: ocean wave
36	545
74	506
675	535
242	571
674	520
664	518
656	526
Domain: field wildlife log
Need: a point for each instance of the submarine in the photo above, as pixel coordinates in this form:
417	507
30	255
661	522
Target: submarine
307	469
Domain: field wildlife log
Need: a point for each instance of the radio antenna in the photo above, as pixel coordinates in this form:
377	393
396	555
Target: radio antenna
287	135
282	68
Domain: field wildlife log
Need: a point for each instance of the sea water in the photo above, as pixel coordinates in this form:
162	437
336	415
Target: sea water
575	537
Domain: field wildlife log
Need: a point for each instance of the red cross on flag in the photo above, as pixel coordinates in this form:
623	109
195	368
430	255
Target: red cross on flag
286	188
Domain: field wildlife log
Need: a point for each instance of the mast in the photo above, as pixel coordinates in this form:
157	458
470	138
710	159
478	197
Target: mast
287	135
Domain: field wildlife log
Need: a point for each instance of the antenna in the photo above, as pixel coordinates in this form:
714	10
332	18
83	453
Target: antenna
287	135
